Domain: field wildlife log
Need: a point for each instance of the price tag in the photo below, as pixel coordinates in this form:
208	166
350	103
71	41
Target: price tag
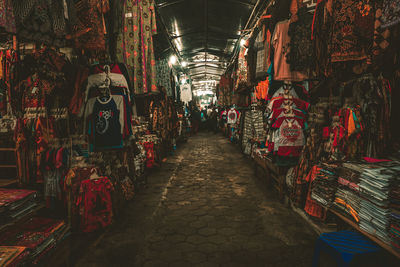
128	15
35	89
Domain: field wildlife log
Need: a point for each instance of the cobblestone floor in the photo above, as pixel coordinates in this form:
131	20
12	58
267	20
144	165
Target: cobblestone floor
204	207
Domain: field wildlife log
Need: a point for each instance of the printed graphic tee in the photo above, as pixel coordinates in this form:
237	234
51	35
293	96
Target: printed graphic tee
106	125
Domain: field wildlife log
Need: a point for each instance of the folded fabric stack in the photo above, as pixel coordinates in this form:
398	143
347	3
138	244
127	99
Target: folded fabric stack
38	235
324	186
375	183
347	200
395	214
16	203
13	256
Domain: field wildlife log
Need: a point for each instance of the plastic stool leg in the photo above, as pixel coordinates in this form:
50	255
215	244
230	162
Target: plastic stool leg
317	253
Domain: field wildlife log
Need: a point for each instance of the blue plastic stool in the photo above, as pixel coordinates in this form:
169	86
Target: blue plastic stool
343	246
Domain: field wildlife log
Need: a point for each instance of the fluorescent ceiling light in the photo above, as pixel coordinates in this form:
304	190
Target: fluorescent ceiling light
173	60
205	92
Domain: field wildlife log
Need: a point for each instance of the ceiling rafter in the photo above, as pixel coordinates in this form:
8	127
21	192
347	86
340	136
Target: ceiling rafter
165	4
206	65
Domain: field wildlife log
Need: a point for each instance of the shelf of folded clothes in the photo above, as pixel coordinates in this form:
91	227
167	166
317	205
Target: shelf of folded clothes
370	236
17	204
7	182
367	198
13	256
38	235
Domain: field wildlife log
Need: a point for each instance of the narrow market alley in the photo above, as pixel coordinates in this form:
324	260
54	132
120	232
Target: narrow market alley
204	207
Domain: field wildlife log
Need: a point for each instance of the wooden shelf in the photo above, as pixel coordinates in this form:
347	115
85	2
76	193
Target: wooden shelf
26	216
7	149
7	182
373	238
8	166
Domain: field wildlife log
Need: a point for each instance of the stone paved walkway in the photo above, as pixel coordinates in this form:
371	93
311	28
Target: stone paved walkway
204	207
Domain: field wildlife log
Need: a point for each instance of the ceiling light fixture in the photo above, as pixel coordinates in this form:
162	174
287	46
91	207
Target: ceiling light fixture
173	60
184	64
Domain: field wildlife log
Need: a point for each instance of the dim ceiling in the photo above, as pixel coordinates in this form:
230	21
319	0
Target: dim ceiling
204	33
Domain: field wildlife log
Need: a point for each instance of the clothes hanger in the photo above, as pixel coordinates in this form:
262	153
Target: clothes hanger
93	174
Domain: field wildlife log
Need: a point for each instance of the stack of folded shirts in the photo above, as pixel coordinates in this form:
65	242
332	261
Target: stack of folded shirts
348	203
375	220
323	188
16	203
347	199
395	229
375	184
38	235
13	256
395	214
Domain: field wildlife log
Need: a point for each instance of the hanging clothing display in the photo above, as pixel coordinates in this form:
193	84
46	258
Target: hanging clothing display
301	54
390	13
87	19
186	93
95	204
107	121
242	71
164	76
135	44
353	30
41	21
281	44
232	116
7	18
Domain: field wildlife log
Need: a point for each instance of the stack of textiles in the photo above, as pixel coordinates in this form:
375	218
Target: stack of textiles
13	256
323	188
38	235
395	214
375	183
16	203
347	199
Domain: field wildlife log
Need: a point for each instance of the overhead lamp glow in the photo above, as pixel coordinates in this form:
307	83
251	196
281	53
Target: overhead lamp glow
184	64
173	60
242	42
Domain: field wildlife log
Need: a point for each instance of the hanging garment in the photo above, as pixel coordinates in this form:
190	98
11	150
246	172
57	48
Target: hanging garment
353	30
233	116
135	44
261	91
301	56
88	31
321	29
150	157
263	47
186	93
107	123
41	21
390	13
7	18
289	139
281	43
164	76
242	71
95	204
